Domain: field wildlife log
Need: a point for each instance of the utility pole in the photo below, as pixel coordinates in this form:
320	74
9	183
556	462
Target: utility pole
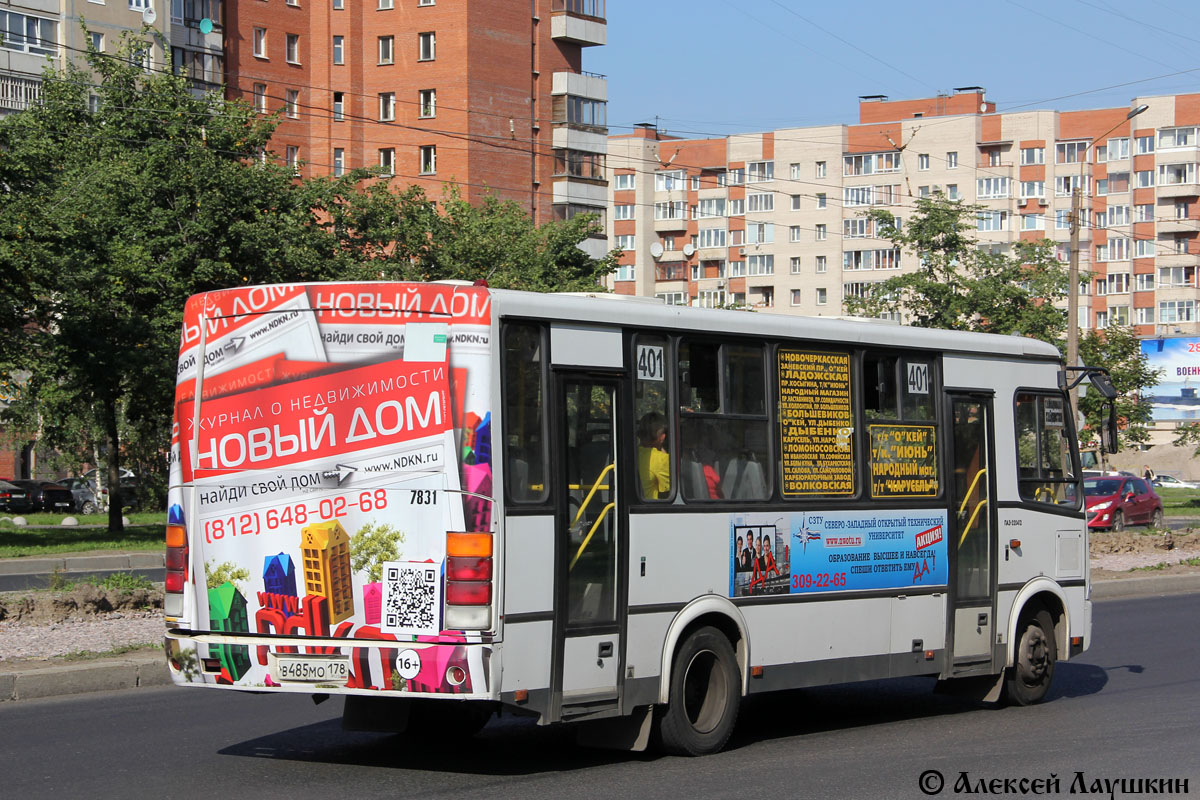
1073	288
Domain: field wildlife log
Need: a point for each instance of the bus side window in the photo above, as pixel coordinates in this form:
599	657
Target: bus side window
1045	470
524	423
654	428
879	386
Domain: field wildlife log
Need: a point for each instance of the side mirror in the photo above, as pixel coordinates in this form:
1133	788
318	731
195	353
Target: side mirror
1109	433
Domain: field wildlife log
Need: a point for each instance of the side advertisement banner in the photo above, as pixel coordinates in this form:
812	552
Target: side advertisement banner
832	551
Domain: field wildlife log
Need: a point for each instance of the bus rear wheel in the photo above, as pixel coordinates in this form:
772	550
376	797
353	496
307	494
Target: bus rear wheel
1028	679
704	696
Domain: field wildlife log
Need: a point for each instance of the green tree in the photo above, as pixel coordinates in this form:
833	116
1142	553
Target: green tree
959	286
1118	349
373	544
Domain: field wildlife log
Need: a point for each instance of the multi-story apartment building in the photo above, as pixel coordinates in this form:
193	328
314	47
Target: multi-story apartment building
488	94
775	220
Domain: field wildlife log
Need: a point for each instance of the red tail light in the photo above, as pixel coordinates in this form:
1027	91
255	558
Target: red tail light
176	563
174	582
468	581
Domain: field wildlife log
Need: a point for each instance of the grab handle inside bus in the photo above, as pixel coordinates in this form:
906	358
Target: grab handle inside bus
583	545
970	491
595	487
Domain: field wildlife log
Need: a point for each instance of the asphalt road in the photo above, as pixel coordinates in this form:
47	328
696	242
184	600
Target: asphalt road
1126	709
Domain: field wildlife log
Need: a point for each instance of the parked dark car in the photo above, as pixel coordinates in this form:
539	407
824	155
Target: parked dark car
14	498
84	492
48	495
1115	501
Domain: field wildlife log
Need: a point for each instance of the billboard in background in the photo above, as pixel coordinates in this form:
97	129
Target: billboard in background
1174	397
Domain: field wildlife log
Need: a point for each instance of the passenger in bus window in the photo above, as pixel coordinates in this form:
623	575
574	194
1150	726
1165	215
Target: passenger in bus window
712	481
654	465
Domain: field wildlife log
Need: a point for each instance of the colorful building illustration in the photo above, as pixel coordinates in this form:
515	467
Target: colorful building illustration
227	613
279	574
325	548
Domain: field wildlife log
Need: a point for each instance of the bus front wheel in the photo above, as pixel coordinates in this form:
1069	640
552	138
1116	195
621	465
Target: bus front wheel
1028	679
704	696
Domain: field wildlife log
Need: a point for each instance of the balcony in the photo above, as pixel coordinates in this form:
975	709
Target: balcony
1183	225
678	223
580	22
18	94
674	271
1177	259
1184	189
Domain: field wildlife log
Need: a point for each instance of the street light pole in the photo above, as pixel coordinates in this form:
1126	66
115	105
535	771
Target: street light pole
1073	264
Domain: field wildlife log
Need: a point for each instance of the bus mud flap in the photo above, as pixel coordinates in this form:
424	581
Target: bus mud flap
617	733
980	687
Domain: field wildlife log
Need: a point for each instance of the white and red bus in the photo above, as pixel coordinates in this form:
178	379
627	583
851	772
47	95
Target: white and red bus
442	500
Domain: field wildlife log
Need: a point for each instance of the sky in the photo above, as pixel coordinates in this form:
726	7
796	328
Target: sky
715	67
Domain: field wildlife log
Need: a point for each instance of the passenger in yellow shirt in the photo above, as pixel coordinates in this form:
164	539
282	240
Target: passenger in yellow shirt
654	465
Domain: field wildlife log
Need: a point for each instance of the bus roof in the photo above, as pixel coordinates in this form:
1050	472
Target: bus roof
599	309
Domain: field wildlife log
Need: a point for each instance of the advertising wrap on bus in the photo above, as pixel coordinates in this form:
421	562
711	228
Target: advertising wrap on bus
831	551
341	431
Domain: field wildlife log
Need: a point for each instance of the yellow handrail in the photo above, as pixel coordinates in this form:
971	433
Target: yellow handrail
967	496
583	545
595	486
971	521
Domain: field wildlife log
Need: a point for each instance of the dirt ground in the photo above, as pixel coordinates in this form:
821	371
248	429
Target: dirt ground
1139	552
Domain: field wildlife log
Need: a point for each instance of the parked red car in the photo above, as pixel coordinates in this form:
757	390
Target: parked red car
1114	501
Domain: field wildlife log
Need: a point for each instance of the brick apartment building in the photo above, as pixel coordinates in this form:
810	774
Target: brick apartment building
774	220
489	94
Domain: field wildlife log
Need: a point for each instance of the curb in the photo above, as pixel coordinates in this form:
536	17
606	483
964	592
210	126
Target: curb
135	671
66	564
148	669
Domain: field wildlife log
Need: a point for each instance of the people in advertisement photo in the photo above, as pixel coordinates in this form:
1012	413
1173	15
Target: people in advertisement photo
330	436
808	552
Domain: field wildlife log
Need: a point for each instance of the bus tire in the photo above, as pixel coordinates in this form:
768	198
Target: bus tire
1028	680
705	692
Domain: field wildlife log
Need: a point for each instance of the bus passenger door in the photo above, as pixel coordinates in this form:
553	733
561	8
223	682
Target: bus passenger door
973	534
589	596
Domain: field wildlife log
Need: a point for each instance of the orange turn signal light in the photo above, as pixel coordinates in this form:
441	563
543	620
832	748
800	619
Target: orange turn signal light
176	536
469	544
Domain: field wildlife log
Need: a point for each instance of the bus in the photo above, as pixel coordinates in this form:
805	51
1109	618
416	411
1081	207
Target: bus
444	501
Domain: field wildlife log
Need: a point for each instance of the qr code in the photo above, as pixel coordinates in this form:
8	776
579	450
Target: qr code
411	598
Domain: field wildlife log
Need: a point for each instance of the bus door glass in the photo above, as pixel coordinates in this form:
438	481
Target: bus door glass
588	542
973	530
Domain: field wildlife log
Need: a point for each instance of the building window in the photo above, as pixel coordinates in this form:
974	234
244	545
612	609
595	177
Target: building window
1176	137
626	241
623	211
425	2
426	46
1033	155
822	263
293	48
1144	316
1144	145
923	161
737	207
623	181
1070	152
795	297
293	103
952	191
822	170
260	98
339	106
760	265
991	188
386	50
139	5
1144	179
1066	184
1177	311
952	159
1033	222
387	161
822	200
292	156
339	49
795	202
97	41
626	272
260	42
387	106
794	265
822	297
822	233
1033	189
794	171
338	5
760	201
760	171
711	237
384	5
339	161
993	221
427	103
794	233
428	159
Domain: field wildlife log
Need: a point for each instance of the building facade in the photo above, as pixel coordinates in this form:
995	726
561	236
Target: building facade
775	220
489	94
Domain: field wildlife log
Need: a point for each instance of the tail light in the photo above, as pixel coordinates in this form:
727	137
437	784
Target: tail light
469	581
176	575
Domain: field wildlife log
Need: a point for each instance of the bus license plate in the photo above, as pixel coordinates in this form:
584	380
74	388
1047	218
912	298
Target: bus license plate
287	668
